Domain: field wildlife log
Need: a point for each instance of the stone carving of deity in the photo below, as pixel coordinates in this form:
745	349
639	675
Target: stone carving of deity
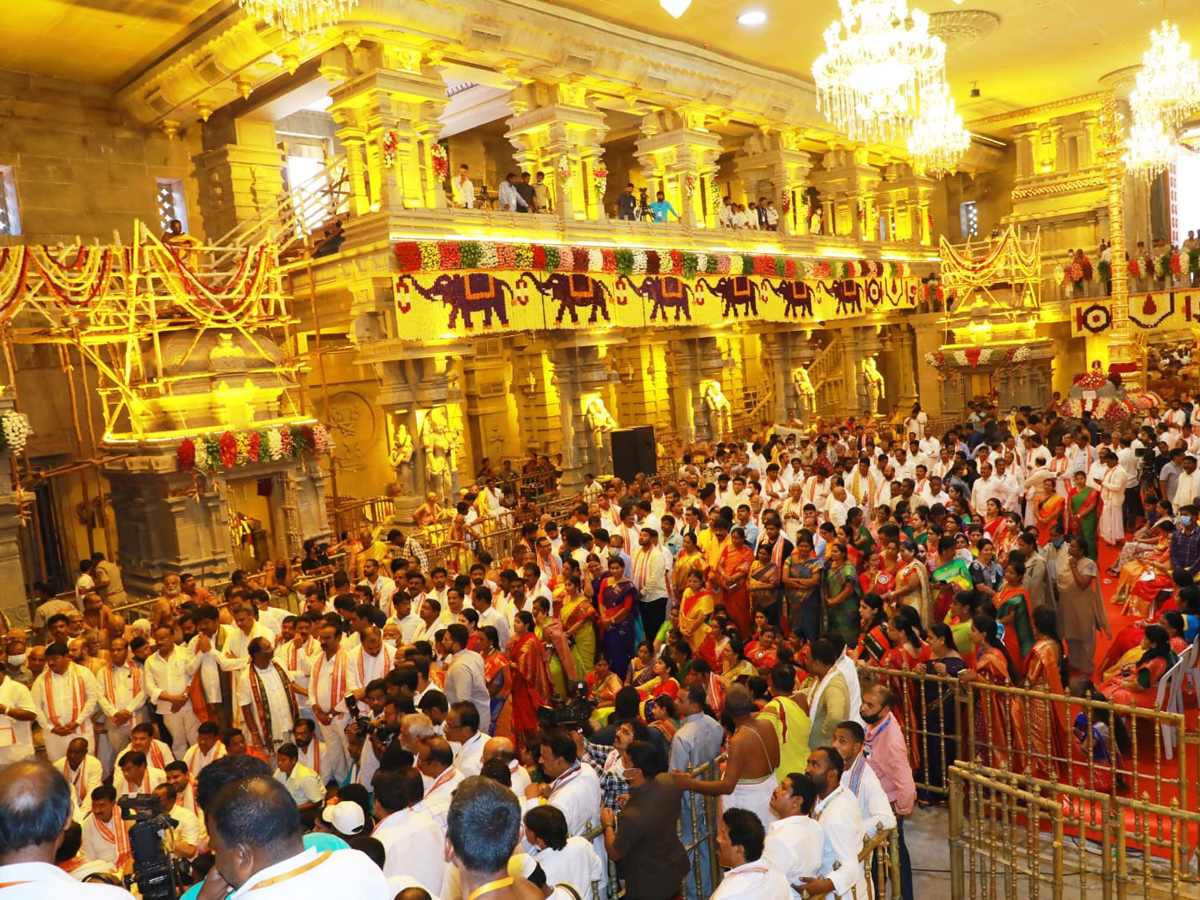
720	412
806	394
400	456
438	442
873	382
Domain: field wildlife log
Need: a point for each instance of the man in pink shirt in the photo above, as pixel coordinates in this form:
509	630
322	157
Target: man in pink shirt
887	755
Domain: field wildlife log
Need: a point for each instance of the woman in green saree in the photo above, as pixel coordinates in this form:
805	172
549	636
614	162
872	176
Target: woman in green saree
578	618
841	593
951	574
1083	517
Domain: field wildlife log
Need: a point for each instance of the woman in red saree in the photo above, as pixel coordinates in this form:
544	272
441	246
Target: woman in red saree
729	578
1039	726
530	674
993	519
993	713
908	651
1051	509
1138	683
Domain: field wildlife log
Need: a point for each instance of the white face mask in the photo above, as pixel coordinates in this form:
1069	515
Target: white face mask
17	660
391	642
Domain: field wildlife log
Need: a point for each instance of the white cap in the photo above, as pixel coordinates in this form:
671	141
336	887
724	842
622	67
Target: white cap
346	817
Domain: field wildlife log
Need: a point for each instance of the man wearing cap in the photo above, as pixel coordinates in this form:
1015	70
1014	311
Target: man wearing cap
65	695
346	819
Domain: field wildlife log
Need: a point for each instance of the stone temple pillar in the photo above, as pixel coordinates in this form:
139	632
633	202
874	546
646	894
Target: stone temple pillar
12	571
583	377
698	361
240	172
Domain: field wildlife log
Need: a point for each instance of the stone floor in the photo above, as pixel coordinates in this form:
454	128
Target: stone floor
925	832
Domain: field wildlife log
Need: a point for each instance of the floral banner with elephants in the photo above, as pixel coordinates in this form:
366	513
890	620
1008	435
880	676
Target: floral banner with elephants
1158	310
449	289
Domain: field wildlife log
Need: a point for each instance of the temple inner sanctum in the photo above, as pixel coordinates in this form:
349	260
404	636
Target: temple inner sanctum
725	449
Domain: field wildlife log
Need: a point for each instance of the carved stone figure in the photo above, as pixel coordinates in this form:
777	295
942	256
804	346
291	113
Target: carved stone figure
438	443
873	382
806	394
720	412
401	454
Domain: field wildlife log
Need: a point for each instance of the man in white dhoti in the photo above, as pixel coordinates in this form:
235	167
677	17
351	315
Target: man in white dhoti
1112	495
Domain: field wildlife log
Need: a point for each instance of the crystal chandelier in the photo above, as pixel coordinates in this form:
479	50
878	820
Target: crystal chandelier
1168	85
299	16
1151	148
879	61
938	140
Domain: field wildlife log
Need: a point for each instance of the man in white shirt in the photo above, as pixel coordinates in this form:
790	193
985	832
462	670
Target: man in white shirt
65	695
188	834
481	601
266	699
142	739
371	660
574	789
861	780
435	761
403	615
121	698
168	677
464	196
1009	489
105	834
18	712
650	566
740	838
565	858
836	510
208	747
464	676
185	790
270	617
510	200
245	618
461	728
278	867
330	679
301	782
1187	488
210	651
413	843
794	839
502	748
985	488
312	750
83	772
135	776
838	813
382	587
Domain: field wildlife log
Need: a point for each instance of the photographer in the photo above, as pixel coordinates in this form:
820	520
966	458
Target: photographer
188	833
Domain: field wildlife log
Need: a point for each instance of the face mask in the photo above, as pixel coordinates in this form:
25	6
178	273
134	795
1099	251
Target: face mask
17	660
391	642
1057	543
871	719
1185	521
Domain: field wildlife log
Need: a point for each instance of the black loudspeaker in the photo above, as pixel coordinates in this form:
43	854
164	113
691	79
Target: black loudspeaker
633	452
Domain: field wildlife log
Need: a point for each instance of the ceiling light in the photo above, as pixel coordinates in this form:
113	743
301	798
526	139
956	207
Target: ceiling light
975	94
752	17
1169	81
938	140
879	62
675	7
299	17
1150	148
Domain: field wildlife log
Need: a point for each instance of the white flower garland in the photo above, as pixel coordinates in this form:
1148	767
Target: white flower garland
639	262
16	430
595	260
274	444
487	256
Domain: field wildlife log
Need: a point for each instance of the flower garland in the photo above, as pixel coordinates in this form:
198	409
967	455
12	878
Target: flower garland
976	356
14	432
562	172
689	184
441	164
1135	269
439	256
208	453
600	174
714	195
391	145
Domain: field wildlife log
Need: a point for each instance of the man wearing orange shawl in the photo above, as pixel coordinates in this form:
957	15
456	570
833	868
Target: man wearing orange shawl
530	675
730	576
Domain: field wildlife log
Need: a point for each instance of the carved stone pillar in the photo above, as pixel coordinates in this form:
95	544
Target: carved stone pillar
12	570
678	155
863	344
239	172
698	363
556	128
772	166
389	99
583	380
848	178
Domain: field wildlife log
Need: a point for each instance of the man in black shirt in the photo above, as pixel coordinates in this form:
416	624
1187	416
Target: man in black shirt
525	191
627	203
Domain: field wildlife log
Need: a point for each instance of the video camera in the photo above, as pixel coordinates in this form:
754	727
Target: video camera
570	713
157	874
367	725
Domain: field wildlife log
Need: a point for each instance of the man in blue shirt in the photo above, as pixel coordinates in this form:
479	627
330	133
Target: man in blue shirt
661	209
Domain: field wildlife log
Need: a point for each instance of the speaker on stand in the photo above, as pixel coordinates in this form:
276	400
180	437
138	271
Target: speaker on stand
633	452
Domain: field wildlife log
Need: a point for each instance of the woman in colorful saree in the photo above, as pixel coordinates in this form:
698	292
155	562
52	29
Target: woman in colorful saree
499	680
1082	517
1138	683
578	618
616	615
912	582
1012	609
731	576
530	675
694	611
549	631
841	591
689	558
1146	539
909	650
603	685
951	574
993	713
1039	726
1049	510
993	518
735	666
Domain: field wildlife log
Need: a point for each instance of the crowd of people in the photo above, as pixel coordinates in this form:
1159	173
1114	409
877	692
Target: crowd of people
714	631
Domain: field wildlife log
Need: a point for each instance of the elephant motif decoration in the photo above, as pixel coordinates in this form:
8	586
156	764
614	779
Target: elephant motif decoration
574	291
466	294
797	297
668	292
738	291
848	294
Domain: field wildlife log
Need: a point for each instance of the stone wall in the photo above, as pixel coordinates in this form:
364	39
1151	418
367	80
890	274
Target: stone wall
79	169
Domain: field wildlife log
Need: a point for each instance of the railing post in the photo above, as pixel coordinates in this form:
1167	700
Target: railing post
957	886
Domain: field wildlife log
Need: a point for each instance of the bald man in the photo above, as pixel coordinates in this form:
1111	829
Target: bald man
503	749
